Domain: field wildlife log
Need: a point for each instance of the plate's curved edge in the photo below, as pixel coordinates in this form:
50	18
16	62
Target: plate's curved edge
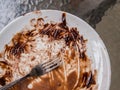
108	64
105	49
13	21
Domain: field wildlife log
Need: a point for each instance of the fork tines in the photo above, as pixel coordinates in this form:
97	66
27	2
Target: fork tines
50	65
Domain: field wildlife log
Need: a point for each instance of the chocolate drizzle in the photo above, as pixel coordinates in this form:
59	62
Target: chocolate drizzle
88	79
91	80
19	43
7	75
17	48
64	24
64	19
2	81
61	30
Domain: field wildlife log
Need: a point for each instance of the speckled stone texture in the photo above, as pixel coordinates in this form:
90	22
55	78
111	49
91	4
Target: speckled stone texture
89	10
104	15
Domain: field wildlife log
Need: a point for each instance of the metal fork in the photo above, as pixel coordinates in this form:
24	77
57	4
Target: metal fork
38	70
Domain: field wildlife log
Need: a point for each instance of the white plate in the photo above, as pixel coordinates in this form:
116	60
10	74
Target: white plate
96	50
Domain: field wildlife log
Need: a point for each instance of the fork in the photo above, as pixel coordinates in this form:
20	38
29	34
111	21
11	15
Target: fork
38	70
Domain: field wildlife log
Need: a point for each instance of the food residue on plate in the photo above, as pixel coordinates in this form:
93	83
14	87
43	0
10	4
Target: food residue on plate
44	42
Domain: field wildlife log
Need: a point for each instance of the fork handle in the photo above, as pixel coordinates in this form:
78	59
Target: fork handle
6	87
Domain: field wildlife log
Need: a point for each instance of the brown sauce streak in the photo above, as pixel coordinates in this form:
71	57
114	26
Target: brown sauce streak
69	35
7	75
2	81
88	79
91	80
19	42
0	55
72	78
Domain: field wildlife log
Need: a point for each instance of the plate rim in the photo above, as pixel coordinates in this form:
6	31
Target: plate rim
84	22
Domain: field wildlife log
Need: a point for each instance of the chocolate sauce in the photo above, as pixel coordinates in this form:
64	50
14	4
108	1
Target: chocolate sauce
91	80
64	24
69	35
85	78
64	19
83	55
2	81
17	49
88	79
